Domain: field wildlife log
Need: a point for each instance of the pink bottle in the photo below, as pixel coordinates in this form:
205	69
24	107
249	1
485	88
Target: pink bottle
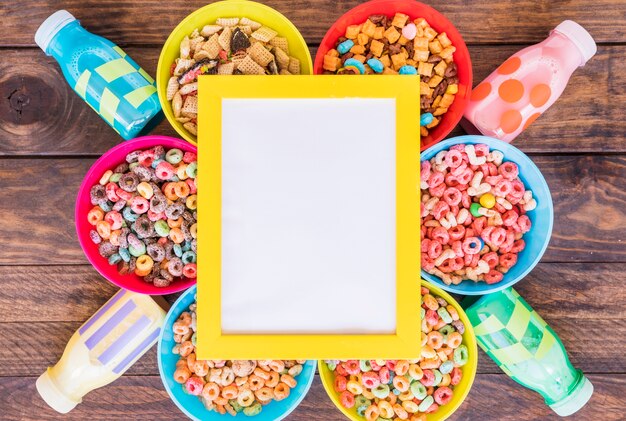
529	82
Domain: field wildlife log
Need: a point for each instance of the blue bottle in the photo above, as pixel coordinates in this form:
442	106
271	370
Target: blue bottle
101	73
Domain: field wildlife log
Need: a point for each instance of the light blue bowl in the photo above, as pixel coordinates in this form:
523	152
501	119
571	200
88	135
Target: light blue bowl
542	217
191	405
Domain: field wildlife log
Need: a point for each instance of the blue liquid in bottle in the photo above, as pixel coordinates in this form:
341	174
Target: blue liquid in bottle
102	74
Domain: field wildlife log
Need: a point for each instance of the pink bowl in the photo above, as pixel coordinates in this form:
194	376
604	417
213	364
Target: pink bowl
108	161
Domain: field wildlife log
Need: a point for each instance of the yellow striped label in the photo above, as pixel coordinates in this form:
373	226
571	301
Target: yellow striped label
547	341
139	95
513	354
518	323
490	325
108	106
146	76
81	84
114	69
119	51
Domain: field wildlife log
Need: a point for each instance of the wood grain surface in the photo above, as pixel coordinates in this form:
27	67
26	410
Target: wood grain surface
49	138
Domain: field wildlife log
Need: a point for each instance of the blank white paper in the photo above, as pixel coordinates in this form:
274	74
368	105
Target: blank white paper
308	216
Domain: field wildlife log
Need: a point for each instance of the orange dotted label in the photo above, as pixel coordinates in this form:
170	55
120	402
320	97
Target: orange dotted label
510	66
510	121
531	120
481	91
540	94
511	90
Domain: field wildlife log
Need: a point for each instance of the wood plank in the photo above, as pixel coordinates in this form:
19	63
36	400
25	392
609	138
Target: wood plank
484	22
143	397
41	115
589	195
580	301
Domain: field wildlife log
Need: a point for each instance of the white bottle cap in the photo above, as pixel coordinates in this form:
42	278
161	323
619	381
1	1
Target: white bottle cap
575	400
51	26
53	396
580	37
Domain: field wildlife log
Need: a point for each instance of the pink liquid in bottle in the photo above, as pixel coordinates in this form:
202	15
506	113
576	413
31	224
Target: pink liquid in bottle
528	83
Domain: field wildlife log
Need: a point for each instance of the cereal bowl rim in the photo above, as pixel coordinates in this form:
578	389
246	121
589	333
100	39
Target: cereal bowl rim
521	160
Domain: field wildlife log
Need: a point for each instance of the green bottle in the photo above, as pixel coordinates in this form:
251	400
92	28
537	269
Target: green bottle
528	350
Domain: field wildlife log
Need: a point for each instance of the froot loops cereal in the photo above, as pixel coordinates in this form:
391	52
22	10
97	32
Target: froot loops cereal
408	389
144	215
230	46
473	214
229	386
396	45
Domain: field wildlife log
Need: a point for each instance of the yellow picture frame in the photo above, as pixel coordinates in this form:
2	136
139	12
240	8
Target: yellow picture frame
405	342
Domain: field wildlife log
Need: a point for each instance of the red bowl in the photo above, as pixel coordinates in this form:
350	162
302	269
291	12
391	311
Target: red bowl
439	22
108	161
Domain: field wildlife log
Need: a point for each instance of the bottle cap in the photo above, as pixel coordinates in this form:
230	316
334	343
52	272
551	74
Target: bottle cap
53	396
51	26
580	37
575	400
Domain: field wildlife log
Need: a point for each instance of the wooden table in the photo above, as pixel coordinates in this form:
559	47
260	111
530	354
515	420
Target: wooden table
49	138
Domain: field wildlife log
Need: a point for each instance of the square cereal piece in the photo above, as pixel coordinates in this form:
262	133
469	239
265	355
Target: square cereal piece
357	49
224	39
282	59
398	60
411	62
280	42
444	40
452	89
260	54
249	22
353	31
359	57
294	66
420	44
436	101
249	67
434	81
425	90
440	68
385	60
376	48
247	29
430	33
440	111
392	34
331	63
435	46
399	20
227	21
212	46
264	34
433	123
379	33
362	38
238	58
425	69
423	131
421	23
421	55
226	68
333	53
369	28
420	32
403	41
389	71
447	100
447	52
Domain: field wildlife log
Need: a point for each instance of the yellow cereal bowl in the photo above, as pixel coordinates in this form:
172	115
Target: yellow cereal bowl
460	391
208	15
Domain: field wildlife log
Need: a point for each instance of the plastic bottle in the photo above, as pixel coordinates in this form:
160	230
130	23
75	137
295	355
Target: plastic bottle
528	350
101	73
102	349
528	83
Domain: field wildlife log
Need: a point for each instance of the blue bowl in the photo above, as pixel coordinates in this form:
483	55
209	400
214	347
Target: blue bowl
191	405
542	217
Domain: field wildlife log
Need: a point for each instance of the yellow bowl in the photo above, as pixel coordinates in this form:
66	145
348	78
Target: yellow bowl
460	391
207	15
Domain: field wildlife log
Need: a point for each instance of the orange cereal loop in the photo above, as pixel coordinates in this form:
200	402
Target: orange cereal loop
181	189
509	66
272	379
95	215
540	94
220	400
181	375
531	120
277	365
264	394
255	382
176	235
104	229
140	272
281	391
510	121
220	408
288	380
186	348
230	391
481	91
511	90
169	190
175	223
265	375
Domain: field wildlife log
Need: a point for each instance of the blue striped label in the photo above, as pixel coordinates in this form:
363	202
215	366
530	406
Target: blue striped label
141	348
128	336
110	324
101	312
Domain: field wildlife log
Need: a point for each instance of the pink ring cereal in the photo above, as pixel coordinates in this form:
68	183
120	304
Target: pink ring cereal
473	214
